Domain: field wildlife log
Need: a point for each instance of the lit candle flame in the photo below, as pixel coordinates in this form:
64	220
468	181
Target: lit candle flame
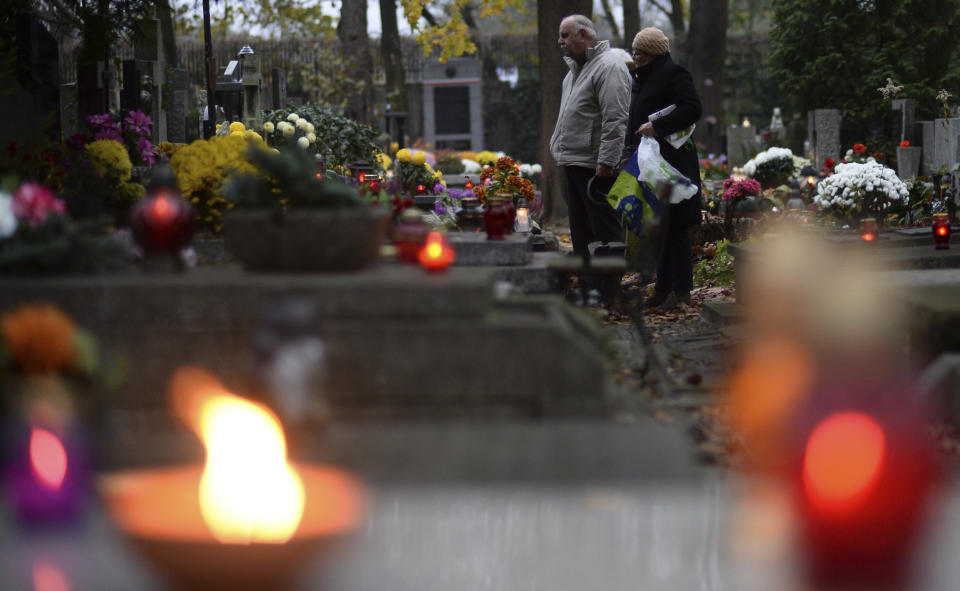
48	577
248	491
48	458
436	255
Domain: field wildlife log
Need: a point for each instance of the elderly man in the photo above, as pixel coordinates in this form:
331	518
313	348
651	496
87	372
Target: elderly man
590	131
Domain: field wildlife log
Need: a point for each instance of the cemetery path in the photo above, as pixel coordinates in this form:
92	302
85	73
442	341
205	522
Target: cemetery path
673	367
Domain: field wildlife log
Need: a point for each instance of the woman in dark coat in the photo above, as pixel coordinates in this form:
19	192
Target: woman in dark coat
659	82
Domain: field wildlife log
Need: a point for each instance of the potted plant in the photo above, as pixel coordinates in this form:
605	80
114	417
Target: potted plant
858	189
772	167
286	219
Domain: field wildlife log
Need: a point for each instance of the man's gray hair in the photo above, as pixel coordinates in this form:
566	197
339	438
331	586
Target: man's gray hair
584	24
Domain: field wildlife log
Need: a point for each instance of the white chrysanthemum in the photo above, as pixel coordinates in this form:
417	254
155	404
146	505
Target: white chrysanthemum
303	142
852	184
311	137
293	117
8	221
536	168
750	168
288	130
524	169
310	127
268	127
470	166
302	123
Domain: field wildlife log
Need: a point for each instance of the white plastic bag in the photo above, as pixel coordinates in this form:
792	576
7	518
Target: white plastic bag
652	168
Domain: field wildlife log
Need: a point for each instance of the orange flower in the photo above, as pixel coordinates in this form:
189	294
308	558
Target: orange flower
479	192
905	144
487	172
40	337
506	164
859	148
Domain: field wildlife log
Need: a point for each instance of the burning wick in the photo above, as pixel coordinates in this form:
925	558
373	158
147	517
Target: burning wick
436	255
48	458
248	491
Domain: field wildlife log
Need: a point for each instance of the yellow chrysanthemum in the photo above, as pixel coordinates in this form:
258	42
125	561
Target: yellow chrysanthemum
394	146
237	126
110	159
252	135
468	155
486	158
404	155
384	160
419	158
40	337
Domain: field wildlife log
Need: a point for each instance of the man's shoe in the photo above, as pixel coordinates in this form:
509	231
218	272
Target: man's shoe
683	297
658	299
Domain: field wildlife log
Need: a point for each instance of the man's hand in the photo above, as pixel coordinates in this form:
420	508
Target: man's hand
603	171
647	130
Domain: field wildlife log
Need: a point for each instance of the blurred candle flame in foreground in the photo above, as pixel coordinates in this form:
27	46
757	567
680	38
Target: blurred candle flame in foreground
249	493
842	461
48	458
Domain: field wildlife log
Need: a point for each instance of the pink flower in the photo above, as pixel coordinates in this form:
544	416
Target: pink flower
139	122
33	202
734	189
146	150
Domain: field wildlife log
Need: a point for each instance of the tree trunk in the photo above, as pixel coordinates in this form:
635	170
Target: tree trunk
631	21
355	45
679	46
615	40
391	57
552	71
706	51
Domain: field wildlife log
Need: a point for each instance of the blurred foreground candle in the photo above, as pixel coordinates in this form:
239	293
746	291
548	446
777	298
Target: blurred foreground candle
248	518
868	229
941	231
436	255
865	485
162	222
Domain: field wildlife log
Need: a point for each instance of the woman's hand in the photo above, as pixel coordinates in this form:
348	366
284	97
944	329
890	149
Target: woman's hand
646	129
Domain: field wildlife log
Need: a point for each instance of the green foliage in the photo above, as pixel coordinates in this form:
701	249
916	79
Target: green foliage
450	163
715	271
837	54
284	180
340	140
302	19
452	36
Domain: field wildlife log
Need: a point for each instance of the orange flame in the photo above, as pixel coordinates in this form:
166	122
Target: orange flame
842	461
48	458
248	491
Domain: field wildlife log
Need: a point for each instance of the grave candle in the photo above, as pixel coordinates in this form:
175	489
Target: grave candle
941	231
868	229
522	222
436	255
248	518
421	190
162	222
468	184
45	483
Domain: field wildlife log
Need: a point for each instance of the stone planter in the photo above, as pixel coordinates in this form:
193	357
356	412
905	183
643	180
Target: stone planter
908	162
345	239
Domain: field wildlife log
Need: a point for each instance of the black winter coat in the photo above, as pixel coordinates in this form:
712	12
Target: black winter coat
659	84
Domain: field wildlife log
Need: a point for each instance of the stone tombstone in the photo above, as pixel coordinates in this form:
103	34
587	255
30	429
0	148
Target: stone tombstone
278	88
179	93
823	133
796	135
946	144
252	82
927	140
905	114
68	110
742	144
30	95
453	104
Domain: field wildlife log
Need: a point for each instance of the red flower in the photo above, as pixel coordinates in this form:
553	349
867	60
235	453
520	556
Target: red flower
878	155
859	148
905	144
828	164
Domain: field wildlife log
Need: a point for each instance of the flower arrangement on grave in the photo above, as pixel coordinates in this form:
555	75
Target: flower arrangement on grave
450	163
131	130
37	235
487	158
714	167
857	188
504	177
531	172
202	168
947	109
416	175
771	167
337	140
736	190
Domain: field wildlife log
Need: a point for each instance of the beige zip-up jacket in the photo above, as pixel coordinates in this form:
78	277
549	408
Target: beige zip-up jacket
594	109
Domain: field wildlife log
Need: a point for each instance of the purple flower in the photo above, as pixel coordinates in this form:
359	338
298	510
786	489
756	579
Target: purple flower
146	150
456	194
439	207
438	188
139	122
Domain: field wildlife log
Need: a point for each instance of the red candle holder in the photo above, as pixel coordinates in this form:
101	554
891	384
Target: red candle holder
436	255
868	229
162	224
410	235
468	184
941	231
497	217
421	190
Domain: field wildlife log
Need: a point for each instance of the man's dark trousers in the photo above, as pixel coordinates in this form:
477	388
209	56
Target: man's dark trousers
591	217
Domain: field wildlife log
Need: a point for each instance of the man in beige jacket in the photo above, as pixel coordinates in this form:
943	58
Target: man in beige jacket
588	138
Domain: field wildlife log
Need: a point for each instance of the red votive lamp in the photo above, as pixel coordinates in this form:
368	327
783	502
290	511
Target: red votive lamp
362	177
46	481
162	222
436	255
868	229
865	482
468	184
421	190
941	231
